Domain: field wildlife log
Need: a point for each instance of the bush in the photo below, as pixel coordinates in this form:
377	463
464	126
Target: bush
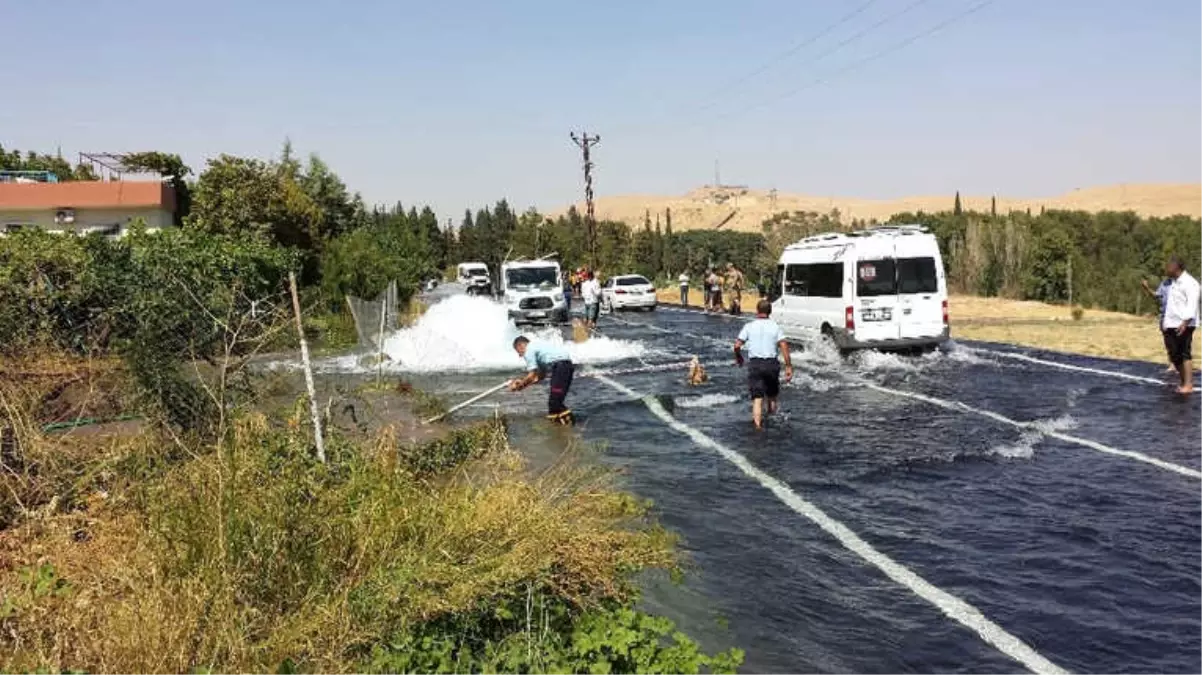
248	556
155	299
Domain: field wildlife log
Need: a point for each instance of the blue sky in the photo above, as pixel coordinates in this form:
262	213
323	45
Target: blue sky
459	103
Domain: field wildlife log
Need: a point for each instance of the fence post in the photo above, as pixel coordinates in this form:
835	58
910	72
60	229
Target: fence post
312	390
380	338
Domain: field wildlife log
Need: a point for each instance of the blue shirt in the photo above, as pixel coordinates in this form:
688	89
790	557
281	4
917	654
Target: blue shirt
760	338
540	355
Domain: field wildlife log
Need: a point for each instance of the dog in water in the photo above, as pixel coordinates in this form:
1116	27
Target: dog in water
580	332
697	374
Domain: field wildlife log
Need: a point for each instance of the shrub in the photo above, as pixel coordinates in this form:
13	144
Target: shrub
249	556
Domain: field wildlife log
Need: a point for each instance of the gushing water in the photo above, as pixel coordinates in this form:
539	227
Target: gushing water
706	400
465	333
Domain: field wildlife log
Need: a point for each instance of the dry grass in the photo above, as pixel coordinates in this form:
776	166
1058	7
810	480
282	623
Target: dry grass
249	556
1035	324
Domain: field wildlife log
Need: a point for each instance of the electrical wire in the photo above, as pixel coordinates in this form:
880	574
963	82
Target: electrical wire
869	59
782	56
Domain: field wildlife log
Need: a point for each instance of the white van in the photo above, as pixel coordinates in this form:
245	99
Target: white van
881	288
474	277
533	291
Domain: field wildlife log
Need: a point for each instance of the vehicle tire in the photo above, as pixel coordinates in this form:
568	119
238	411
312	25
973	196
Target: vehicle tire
828	334
651	308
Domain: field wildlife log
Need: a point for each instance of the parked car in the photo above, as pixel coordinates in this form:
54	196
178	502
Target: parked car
882	288
629	291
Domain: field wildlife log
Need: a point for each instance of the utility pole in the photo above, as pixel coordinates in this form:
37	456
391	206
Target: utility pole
584	142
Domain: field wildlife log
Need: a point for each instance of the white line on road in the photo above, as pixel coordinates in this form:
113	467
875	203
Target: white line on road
1035	426
950	605
1067	366
963	407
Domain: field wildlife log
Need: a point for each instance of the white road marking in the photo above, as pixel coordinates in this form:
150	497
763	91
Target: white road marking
950	605
1094	445
963	407
1068	366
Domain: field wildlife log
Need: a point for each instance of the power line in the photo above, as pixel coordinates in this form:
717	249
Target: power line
784	55
856	36
869	59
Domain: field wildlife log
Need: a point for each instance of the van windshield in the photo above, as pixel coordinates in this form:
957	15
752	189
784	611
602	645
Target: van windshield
477	272
903	276
532	277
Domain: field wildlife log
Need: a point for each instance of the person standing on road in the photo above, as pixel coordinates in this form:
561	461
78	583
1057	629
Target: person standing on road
734	283
1161	295
1180	319
590	291
684	289
763	338
543	359
713	298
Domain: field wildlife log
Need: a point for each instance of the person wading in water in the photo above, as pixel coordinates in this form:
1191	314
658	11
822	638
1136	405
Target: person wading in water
763	338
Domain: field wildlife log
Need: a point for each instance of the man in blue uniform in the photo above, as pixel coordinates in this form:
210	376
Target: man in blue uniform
545	359
763	338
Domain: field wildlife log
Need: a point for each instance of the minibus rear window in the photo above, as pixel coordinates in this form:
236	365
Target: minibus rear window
876	277
917	275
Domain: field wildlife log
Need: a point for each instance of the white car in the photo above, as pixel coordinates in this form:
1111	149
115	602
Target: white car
629	291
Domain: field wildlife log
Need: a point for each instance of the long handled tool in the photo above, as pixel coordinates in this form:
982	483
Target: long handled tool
477	397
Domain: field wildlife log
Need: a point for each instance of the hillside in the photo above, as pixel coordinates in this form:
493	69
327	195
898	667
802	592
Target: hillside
744	209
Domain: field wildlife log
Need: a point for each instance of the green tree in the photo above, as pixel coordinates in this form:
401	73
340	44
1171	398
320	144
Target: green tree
169	166
241	196
957	209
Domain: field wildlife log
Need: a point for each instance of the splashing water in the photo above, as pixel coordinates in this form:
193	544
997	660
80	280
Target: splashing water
1024	447
465	333
706	400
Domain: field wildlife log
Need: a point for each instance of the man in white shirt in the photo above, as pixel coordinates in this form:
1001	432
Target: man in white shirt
590	291
1180	317
684	289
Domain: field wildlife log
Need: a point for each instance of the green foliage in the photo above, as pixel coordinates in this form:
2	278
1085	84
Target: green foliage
392	246
457	447
170	166
249	197
1022	256
35	583
538	632
156	299
12	160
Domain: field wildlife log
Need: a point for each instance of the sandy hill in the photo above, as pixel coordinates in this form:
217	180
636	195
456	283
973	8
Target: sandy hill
745	209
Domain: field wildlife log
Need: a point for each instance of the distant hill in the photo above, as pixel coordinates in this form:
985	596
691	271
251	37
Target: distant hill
745	209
